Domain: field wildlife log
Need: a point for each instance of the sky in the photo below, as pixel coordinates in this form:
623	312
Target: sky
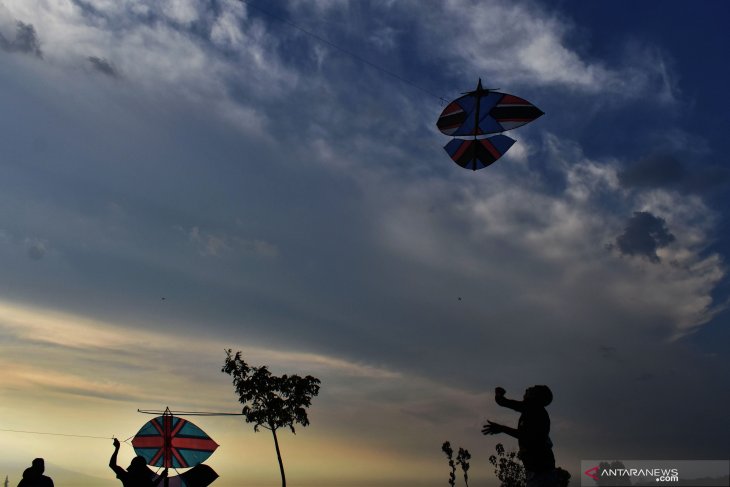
181	177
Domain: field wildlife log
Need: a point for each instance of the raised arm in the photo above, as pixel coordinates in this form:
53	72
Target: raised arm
499	398
113	460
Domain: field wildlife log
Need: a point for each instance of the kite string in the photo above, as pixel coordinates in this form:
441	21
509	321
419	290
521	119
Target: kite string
343	50
59	434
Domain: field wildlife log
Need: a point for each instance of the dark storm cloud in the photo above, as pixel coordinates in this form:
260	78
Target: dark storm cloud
667	171
103	66
26	40
643	235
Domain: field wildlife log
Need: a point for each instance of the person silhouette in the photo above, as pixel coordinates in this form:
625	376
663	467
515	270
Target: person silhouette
33	475
532	433
137	474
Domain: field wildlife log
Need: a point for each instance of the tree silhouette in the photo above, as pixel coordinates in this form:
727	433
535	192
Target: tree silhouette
270	401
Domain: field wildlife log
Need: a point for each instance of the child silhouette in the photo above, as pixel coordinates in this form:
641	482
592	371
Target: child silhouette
532	433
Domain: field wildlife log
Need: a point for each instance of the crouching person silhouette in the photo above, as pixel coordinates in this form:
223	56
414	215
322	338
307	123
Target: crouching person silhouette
532	433
137	474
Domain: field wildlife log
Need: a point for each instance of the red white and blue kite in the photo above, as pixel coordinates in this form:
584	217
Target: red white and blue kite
171	442
478	114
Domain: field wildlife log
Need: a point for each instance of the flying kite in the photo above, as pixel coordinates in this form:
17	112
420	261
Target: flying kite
478	114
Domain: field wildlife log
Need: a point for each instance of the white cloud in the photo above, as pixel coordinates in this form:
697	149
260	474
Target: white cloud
94	339
166	59
226	31
516	232
523	43
181	11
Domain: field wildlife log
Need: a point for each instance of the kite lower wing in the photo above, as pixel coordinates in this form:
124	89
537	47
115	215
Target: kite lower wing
478	153
199	476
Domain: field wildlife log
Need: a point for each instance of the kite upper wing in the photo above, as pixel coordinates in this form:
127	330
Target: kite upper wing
497	112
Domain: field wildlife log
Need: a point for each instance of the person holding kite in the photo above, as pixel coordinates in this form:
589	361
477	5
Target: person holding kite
137	474
532	433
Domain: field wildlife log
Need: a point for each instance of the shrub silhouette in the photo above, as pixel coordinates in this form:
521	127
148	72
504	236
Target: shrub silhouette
462	459
511	473
508	468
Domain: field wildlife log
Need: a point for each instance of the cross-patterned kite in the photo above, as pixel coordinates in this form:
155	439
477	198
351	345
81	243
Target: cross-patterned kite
172	442
477	114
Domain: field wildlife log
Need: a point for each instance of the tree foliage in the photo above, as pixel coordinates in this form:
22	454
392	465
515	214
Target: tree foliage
268	400
271	401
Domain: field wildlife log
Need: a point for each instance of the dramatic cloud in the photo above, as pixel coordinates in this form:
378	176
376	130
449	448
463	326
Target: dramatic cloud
559	241
643	235
520	43
280	194
25	41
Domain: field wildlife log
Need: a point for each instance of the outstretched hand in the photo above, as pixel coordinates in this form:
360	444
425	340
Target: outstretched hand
499	392
492	428
116	443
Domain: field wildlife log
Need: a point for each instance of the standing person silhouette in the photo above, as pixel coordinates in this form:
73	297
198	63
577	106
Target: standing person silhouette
532	433
137	474
33	475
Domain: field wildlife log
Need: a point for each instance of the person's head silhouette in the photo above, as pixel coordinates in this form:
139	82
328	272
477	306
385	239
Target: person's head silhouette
538	395
138	465
39	465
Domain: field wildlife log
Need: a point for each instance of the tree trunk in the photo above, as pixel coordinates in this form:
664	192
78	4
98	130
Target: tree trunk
278	456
